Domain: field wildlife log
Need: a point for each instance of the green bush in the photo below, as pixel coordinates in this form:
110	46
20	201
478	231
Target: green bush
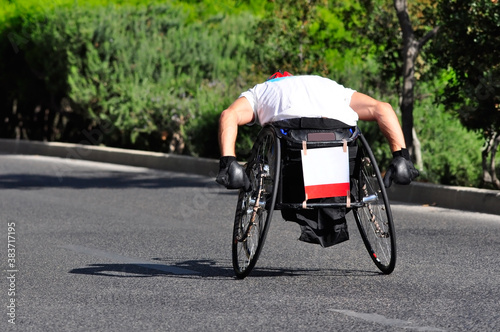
451	154
149	75
141	69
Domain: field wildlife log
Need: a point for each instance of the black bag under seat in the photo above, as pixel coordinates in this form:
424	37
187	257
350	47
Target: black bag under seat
324	226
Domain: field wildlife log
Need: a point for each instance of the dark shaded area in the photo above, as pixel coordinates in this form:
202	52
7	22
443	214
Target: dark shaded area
113	180
208	268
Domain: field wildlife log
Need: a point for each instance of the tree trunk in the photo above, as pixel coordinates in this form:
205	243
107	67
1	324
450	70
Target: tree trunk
417	151
484	160
494	178
410	55
489	169
411	48
410	51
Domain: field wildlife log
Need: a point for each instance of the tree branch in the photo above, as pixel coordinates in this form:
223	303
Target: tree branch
428	36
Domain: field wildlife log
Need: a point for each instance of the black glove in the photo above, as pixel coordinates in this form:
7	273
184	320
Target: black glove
232	175
401	169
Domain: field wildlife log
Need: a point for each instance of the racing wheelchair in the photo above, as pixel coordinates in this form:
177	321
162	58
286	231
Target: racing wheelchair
365	195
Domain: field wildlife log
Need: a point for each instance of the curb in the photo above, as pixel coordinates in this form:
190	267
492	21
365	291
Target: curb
459	198
155	160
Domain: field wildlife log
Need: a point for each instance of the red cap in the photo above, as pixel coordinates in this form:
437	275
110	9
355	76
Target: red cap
279	74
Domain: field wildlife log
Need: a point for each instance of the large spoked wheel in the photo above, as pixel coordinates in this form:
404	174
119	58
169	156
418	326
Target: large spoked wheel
374	219
254	209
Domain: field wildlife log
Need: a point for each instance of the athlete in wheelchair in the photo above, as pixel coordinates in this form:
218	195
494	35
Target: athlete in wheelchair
311	161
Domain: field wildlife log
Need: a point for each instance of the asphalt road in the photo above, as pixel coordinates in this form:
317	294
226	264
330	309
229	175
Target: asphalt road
100	247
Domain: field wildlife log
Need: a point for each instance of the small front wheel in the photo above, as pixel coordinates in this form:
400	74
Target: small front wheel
254	209
374	219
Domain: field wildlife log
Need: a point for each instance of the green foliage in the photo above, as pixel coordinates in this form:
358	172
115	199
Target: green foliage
142	69
10	9
473	64
474	88
201	133
312	37
451	153
441	134
155	75
203	9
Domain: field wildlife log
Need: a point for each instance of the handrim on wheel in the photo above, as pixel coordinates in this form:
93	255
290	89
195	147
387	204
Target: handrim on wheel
254	209
374	219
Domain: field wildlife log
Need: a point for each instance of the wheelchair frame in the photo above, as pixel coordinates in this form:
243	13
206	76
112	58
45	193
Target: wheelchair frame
368	198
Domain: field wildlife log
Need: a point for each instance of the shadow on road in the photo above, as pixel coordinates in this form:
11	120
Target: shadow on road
118	180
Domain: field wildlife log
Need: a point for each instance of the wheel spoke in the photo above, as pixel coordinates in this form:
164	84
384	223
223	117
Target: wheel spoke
254	215
374	219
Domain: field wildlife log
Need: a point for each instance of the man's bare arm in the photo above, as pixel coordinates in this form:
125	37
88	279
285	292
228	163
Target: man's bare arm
239	113
370	109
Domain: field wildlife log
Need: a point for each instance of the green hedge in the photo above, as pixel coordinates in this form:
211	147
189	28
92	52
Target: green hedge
144	73
155	76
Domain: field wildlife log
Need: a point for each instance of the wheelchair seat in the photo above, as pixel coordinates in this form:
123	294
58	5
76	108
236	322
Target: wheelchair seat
315	132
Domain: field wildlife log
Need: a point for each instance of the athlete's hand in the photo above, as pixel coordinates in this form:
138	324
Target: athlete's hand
401	169
232	175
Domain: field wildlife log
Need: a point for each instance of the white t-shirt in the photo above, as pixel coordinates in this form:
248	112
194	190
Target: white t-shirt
301	96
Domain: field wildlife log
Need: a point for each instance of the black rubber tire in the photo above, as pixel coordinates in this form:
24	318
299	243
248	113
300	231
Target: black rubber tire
264	164
374	220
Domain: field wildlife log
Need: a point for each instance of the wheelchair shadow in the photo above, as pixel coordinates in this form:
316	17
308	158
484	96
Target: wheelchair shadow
202	268
266	272
206	268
